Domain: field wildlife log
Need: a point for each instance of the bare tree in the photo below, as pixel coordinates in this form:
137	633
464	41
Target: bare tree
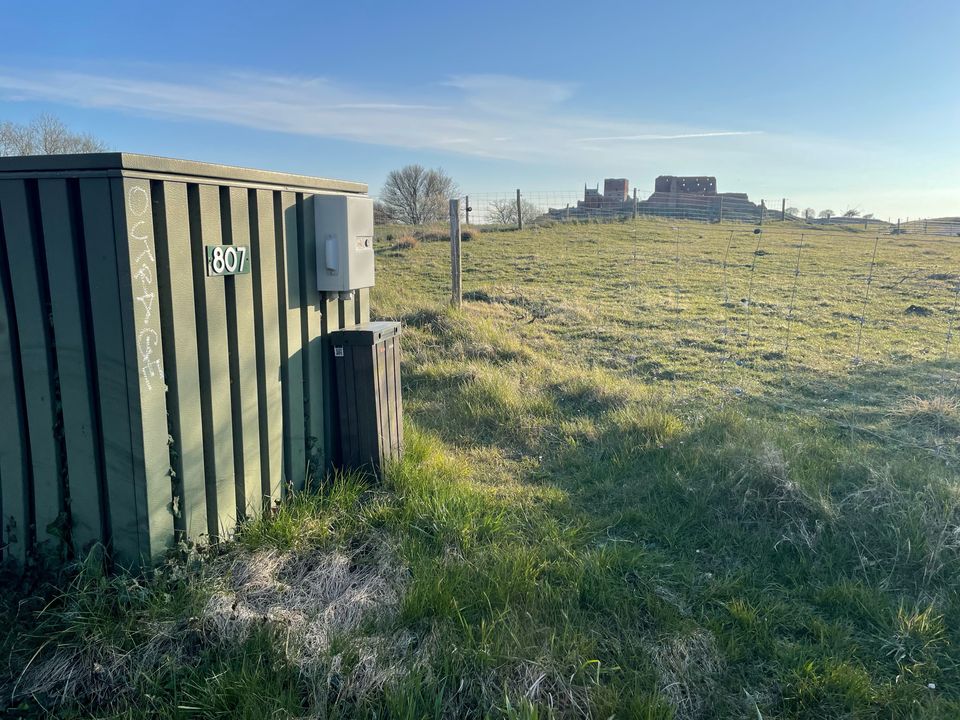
809	213
826	214
504	211
45	135
851	213
415	195
868	216
795	212
382	215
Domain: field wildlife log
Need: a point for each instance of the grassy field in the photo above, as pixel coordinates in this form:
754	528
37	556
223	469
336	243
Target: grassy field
653	471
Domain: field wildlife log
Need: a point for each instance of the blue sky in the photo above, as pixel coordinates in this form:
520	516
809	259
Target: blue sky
831	104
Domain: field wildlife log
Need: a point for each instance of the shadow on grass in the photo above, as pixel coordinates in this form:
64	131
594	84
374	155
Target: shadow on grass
798	554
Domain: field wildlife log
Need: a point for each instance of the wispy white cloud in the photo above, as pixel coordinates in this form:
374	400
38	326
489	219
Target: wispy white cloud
481	115
508	94
387	106
647	137
540	123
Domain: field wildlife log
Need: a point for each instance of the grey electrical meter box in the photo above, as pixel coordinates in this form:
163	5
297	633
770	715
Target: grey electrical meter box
344	242
366	361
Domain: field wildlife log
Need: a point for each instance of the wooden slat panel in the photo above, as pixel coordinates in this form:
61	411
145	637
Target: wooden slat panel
68	303
390	440
211	308
362	306
343	374
181	355
100	248
37	361
346	407
140	312
397	400
383	403
243	362
366	394
14	468
293	363
268	351
317	322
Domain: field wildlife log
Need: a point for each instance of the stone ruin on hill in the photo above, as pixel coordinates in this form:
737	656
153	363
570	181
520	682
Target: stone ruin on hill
681	196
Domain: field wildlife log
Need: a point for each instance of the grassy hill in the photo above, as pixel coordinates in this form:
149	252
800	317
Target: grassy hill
653	470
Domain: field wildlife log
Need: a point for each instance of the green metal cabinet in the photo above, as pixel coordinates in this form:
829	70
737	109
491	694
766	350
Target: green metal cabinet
143	398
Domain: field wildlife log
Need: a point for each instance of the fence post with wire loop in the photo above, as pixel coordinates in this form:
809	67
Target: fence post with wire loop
456	287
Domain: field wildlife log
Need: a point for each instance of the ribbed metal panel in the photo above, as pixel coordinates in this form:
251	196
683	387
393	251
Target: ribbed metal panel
142	402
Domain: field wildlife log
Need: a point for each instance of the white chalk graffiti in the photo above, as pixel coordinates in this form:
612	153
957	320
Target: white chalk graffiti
148	341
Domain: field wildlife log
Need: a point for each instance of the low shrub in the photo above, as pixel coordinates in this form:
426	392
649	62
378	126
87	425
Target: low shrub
406	242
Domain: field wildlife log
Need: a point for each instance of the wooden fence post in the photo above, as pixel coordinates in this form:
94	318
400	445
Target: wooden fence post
519	212
634	203
456	289
466	210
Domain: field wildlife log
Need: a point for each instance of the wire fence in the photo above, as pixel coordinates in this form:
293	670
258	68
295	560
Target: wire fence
538	206
852	321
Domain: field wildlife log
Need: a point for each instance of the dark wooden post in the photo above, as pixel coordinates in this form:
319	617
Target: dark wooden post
456	289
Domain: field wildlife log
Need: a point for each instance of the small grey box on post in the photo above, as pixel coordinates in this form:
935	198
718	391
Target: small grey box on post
344	228
366	361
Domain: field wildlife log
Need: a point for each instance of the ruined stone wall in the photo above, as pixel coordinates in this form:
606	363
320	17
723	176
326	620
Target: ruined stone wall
616	189
689	184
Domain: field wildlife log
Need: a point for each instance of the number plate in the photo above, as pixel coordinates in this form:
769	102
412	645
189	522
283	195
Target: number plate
227	260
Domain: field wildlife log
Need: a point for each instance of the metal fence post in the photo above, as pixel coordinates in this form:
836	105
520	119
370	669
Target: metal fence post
456	289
